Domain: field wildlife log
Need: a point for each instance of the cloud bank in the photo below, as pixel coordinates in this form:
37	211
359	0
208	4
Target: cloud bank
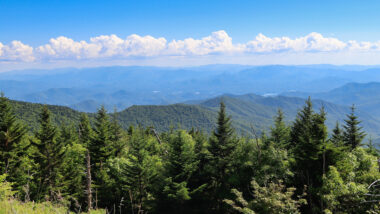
219	43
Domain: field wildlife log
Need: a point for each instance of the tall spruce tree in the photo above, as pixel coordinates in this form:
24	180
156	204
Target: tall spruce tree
280	132
85	136
353	134
116	135
140	171
11	135
179	168
337	135
49	157
308	137
100	146
222	146
100	151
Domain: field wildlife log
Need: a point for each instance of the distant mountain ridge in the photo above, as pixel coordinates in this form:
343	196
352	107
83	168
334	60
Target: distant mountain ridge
365	96
123	86
247	111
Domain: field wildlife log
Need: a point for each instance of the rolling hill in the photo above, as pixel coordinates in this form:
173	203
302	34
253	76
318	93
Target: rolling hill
247	111
365	96
123	86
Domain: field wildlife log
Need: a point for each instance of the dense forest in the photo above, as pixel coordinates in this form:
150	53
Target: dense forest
93	164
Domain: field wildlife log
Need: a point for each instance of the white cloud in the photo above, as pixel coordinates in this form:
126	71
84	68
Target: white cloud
112	47
217	42
136	45
16	51
309	43
66	48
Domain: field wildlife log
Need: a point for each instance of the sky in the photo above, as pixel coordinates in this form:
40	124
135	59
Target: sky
87	33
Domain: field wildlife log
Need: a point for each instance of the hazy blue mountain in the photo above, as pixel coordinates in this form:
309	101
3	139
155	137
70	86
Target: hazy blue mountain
123	86
247	111
365	96
251	109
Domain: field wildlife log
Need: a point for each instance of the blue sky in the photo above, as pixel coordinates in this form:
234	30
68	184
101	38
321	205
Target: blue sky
35	23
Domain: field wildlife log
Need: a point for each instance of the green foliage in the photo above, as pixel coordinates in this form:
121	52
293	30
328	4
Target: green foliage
280	132
11	135
5	188
180	164
140	170
353	136
80	159
49	156
308	144
274	198
346	184
222	146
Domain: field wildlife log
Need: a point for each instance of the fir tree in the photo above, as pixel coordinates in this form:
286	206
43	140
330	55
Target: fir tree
85	131
49	157
337	135
352	135
280	132
222	146
11	135
100	146
85	136
179	168
116	135
140	171
308	137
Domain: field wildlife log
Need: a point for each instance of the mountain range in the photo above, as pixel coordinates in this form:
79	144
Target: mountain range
120	87
247	111
189	97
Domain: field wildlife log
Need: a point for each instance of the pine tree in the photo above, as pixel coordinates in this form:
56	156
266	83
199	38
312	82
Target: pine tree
352	135
179	168
140	171
337	135
223	142
73	166
222	145
85	136
308	138
280	132
116	135
49	156
100	146
11	135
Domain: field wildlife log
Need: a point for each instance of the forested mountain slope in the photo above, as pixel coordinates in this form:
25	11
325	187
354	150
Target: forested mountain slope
122	86
247	111
365	96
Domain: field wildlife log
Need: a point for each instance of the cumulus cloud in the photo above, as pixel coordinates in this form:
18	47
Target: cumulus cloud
218	43
16	51
309	43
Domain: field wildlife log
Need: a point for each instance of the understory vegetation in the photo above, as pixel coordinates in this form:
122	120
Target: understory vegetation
99	167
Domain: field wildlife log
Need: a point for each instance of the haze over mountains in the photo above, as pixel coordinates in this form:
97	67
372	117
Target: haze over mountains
121	87
143	95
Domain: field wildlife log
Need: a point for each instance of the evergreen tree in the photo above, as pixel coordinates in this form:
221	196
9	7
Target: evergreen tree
85	136
352	135
49	157
116	135
179	168
11	136
85	131
73	167
222	146
140	171
280	132
337	135
308	137
100	146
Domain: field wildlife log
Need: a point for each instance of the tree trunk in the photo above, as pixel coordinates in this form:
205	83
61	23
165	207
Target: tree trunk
89	180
